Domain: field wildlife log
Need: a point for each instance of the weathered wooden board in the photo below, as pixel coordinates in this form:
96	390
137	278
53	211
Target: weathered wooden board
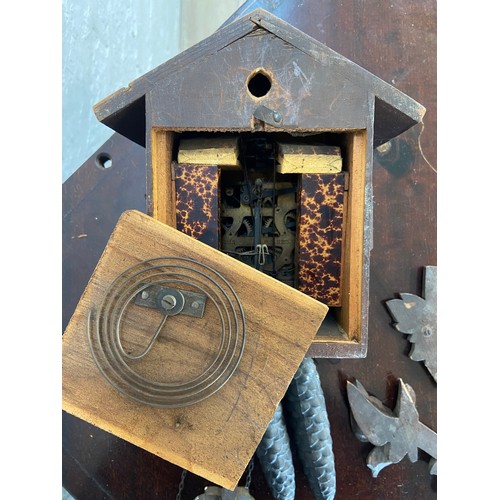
217	437
303	69
308	159
226	104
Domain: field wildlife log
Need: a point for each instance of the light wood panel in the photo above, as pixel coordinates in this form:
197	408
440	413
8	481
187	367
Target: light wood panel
222	151
352	262
162	178
308	159
217	437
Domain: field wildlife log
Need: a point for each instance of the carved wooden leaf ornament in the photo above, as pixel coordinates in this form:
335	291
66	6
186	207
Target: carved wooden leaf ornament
416	317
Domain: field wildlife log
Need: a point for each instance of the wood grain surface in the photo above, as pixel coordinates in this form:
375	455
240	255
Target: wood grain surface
217	437
397	42
308	159
162	178
221	151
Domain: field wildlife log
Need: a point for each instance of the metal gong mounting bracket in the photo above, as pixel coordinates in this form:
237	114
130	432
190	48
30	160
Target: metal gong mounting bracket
172	300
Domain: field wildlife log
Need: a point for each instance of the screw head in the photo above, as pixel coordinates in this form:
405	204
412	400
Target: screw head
427	331
168	302
277	117
144	294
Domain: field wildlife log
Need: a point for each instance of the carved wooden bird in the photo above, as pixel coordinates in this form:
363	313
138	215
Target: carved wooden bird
395	434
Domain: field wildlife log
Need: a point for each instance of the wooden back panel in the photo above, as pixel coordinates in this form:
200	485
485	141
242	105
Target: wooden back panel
217	437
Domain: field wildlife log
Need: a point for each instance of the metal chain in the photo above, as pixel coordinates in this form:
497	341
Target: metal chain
248	480
181	485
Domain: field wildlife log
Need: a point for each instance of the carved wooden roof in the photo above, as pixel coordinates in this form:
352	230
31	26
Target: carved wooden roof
316	88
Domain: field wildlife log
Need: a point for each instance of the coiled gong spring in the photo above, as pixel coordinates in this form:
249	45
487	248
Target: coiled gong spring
105	325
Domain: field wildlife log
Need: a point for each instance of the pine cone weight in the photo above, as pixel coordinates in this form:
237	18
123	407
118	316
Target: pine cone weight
275	457
310	429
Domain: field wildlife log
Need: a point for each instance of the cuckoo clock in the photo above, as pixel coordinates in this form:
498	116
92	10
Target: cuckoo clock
259	145
260	142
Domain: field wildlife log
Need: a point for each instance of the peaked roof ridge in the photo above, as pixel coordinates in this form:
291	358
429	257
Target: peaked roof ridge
326	55
141	85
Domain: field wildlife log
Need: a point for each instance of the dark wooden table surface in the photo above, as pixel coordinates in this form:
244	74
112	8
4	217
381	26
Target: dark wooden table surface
395	40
